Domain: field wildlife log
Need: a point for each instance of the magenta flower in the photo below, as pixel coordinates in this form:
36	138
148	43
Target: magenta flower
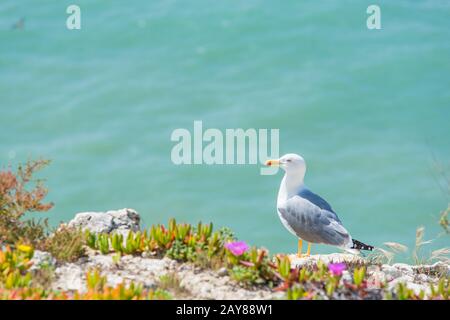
237	248
337	268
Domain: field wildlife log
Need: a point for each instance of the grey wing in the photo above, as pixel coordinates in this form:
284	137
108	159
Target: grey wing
314	224
316	200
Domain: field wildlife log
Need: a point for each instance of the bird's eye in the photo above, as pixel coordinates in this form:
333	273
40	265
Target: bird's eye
289	160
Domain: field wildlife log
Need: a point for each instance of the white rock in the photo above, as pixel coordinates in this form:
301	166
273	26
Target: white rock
372	269
97	222
404	268
69	277
41	259
153	265
125	219
297	262
101	261
391	272
438	269
207	285
377	278
121	221
346	277
222	272
114	280
403	279
422	278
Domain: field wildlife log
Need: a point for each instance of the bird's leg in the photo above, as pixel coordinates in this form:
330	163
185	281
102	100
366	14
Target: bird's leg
309	249
300	245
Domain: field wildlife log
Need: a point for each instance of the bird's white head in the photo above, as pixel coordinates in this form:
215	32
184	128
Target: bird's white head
295	168
291	163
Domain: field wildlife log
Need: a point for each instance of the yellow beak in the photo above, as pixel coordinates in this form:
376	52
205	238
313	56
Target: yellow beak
273	163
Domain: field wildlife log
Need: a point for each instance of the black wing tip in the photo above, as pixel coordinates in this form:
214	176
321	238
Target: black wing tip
358	245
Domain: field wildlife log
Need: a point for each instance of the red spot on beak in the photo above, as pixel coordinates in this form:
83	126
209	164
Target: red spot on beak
269	163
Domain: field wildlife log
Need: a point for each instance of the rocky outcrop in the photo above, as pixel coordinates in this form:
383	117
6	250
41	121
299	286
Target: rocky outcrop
42	259
197	283
122	221
297	262
416	278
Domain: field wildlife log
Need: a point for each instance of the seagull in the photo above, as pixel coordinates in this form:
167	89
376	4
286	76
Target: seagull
305	214
19	24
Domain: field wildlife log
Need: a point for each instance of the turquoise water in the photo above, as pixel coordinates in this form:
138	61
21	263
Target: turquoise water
369	110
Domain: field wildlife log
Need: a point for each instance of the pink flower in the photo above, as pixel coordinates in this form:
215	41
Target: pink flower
337	268
237	248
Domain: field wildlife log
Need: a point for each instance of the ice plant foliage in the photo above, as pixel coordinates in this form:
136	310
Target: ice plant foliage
237	248
14	265
181	242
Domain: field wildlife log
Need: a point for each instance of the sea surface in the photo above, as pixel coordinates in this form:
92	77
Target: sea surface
369	110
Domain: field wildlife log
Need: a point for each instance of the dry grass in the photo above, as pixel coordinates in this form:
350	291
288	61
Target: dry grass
65	244
443	220
419	243
387	255
171	283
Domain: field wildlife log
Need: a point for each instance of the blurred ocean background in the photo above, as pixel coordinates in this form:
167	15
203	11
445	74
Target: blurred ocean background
368	109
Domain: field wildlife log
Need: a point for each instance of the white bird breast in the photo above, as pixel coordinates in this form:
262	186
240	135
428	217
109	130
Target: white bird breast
286	224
